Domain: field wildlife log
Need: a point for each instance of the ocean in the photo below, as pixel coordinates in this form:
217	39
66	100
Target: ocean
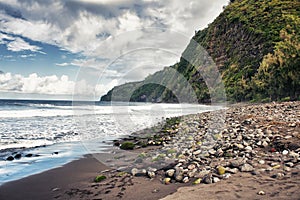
48	134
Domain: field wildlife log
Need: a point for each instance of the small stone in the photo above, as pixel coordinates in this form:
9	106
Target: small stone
261	193
278	175
259	143
219	152
202	173
191	166
285	152
55	189
287	169
265	144
236	163
137	172
261	162
221	170
185	179
197	181
197	152
192	173
170	172
216	179
289	164
155	191
276	167
232	170
167	181
151	174
151	169
208	179
226	175
294	155
269	169
134	171
246	168
240	146
248	148
179	177
212	152
255	172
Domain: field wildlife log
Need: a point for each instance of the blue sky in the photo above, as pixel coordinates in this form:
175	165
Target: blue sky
82	48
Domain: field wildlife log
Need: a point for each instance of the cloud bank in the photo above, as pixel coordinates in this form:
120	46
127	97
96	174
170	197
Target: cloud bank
48	85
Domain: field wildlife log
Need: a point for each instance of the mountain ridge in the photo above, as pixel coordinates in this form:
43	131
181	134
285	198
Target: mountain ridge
255	46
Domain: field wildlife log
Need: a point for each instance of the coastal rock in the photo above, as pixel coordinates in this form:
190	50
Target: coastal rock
167	181
170	172
246	168
138	172
10	158
18	156
237	163
208	179
151	174
285	152
185	180
192	173
261	193
261	162
232	170
197	181
221	170
191	166
216	179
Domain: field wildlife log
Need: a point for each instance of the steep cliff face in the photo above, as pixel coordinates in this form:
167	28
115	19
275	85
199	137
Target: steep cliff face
255	46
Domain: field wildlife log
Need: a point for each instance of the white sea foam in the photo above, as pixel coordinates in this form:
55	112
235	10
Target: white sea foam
65	125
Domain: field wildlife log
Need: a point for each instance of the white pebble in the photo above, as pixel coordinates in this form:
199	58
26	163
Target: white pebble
285	152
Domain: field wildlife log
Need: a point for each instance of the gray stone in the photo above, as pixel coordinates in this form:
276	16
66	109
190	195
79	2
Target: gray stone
208	179
246	168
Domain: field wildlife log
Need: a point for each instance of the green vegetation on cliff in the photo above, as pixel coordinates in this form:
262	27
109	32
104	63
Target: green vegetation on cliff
255	45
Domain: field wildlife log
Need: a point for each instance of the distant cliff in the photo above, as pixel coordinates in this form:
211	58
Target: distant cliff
255	45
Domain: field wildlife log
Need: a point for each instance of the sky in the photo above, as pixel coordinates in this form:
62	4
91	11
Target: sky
80	49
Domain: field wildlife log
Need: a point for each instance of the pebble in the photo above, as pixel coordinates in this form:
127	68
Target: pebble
289	164
221	170
216	179
261	193
185	179
191	167
151	174
232	170
261	162
167	181
197	181
170	172
240	146
285	152
208	179
246	168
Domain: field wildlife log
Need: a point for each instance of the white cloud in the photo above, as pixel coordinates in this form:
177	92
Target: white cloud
20	45
50	85
62	64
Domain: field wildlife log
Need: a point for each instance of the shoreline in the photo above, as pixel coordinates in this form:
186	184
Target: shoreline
274	173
